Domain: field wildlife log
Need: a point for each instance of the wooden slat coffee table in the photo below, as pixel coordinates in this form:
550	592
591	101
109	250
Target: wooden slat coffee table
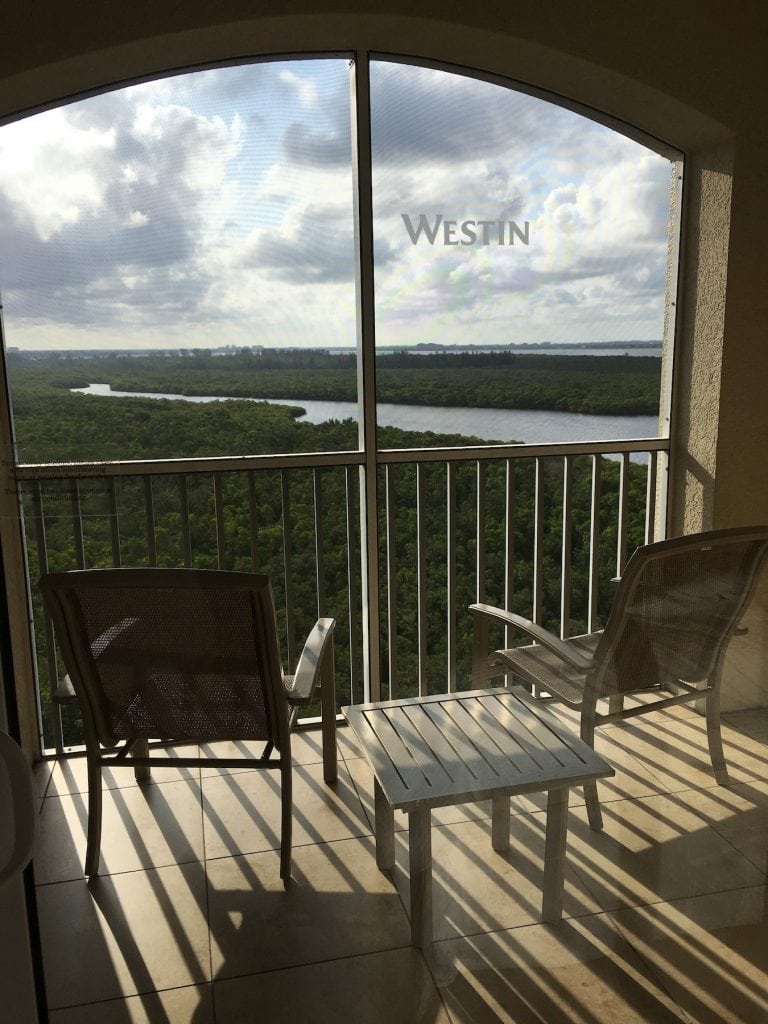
452	748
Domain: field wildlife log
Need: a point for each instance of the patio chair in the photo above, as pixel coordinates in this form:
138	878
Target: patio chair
184	656
676	608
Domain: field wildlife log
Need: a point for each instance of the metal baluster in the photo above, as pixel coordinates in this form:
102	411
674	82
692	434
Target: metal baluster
50	648
352	570
186	535
621	540
538	542
253	520
391	582
421	579
509	554
218	505
594	543
650	499
114	522
77	523
317	497
565	581
450	530
149	508
480	560
290	621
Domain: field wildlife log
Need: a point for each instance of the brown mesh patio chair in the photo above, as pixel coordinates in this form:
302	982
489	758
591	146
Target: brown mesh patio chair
676	608
184	656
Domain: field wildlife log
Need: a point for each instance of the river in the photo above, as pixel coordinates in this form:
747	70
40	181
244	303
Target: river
533	426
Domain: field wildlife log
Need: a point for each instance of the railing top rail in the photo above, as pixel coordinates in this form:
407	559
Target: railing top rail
158	467
523	451
308	460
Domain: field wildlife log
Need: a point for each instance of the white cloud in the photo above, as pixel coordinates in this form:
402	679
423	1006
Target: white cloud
52	171
305	88
137	219
221	204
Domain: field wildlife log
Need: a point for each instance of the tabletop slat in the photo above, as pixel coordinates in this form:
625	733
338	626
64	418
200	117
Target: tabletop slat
432	726
548	747
435	769
470	742
391	761
439	749
496	747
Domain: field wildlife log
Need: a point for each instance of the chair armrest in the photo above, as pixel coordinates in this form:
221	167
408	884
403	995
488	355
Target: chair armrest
65	692
301	686
542	636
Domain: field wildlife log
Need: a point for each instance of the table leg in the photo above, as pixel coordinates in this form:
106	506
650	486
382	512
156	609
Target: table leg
500	822
420	863
554	853
384	827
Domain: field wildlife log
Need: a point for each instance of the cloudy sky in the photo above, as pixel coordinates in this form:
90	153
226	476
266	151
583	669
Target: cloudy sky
217	208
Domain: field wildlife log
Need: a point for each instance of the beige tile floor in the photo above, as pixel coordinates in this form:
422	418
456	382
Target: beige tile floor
666	910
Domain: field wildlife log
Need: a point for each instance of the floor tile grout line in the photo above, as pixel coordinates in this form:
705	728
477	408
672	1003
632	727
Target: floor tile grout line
315	963
678	899
653	972
207	894
131	995
131	785
44	795
760	867
294	846
204	860
129	871
648	964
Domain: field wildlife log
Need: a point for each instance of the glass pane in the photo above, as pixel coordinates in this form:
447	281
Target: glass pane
521	256
191	237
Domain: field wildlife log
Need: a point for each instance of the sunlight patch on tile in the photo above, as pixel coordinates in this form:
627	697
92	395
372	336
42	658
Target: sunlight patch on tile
579	970
124	934
711	952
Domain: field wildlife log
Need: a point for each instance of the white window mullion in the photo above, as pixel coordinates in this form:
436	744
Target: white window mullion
366	370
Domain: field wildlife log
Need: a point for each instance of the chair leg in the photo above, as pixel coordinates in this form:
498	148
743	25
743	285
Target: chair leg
328	716
93	850
286	784
594	814
480	651
142	772
615	703
714	738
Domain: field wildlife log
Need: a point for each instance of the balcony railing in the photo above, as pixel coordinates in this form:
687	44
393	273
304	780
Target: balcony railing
539	528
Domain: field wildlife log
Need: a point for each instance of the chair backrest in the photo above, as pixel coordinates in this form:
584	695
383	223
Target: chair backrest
677	606
176	654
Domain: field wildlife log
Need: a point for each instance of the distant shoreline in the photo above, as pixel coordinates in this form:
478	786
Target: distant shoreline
580	382
531	346
421	348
